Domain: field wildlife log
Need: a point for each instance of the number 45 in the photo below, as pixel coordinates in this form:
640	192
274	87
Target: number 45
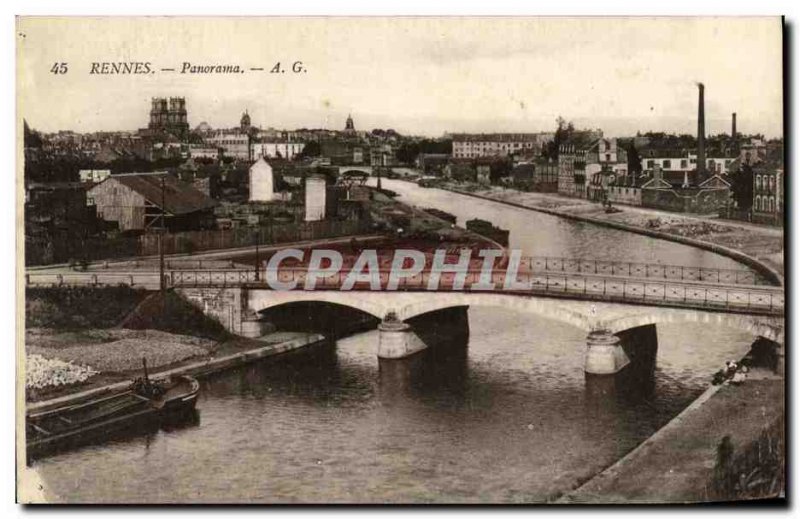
59	68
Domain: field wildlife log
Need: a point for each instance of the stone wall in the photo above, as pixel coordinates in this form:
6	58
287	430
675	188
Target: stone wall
701	201
624	195
222	304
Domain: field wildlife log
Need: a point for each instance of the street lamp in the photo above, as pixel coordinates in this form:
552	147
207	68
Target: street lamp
162	283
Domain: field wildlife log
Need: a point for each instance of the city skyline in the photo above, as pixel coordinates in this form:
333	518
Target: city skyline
417	77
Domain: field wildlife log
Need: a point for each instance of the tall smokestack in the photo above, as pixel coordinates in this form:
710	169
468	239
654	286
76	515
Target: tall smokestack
733	126
701	134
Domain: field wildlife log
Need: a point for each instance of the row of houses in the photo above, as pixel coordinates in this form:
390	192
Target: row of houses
478	145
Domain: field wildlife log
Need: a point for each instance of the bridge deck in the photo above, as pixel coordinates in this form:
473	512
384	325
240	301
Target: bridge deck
751	299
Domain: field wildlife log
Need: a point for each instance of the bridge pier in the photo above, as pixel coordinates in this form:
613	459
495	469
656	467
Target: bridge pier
442	330
604	353
397	340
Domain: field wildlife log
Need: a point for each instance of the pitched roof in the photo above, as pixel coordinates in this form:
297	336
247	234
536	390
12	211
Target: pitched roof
715	181
179	197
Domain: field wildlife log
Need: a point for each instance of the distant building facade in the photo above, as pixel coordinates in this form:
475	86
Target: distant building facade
683	161
470	146
573	155
232	143
286	150
768	192
204	152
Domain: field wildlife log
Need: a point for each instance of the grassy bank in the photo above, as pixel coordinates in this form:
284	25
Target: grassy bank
756	471
80	308
171	313
79	337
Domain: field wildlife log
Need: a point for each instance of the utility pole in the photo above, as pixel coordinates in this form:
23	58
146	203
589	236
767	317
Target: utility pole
258	236
162	281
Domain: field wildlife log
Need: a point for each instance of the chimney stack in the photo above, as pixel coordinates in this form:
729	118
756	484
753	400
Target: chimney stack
701	135
733	126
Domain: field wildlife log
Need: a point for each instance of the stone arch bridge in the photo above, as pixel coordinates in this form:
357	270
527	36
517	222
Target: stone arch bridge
607	324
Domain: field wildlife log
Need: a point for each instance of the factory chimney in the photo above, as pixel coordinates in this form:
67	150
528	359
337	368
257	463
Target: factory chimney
734	138
701	135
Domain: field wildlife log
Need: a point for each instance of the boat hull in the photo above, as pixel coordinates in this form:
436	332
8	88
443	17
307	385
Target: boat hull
136	418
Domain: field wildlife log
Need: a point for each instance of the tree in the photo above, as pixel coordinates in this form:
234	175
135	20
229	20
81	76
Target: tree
634	159
564	131
407	152
31	138
311	149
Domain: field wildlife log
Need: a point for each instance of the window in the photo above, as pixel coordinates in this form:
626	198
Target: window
608	157
667	164
684	164
758	181
650	164
757	203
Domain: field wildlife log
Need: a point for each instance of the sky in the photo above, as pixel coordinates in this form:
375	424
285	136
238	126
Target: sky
423	76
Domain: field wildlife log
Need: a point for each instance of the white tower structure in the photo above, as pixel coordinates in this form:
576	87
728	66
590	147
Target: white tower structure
315	198
262	188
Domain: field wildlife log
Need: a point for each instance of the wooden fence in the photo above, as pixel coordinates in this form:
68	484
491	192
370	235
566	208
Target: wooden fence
195	241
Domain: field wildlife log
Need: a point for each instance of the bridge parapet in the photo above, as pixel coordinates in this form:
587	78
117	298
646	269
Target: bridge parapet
762	300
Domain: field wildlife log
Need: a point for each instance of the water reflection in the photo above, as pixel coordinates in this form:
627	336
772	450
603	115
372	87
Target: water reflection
539	234
505	415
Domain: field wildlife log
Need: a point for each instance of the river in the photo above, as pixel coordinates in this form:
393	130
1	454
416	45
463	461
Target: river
508	417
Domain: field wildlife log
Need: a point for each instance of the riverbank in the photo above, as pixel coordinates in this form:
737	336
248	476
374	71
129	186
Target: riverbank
220	356
726	445
90	340
759	247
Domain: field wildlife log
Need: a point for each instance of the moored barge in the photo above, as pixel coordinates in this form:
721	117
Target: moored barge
86	422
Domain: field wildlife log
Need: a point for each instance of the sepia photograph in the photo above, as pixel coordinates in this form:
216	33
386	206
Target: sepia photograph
410	260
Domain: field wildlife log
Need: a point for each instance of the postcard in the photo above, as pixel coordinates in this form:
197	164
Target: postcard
400	260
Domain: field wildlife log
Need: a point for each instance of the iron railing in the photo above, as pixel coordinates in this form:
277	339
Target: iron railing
579	286
645	270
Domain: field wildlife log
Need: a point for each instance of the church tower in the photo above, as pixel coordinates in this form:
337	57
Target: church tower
244	123
349	127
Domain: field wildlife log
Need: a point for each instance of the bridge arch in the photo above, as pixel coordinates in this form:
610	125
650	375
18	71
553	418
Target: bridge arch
542	307
585	315
356	169
767	327
260	300
412	304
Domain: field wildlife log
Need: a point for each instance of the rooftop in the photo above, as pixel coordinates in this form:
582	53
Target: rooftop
179	197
